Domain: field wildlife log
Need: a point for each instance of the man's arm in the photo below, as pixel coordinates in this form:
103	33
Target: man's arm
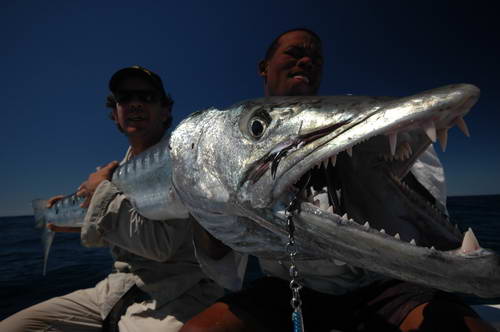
87	188
111	219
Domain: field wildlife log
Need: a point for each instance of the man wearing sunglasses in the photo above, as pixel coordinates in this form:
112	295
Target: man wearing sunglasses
156	284
335	296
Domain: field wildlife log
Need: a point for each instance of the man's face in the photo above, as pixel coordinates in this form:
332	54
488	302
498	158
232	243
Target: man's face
139	110
295	68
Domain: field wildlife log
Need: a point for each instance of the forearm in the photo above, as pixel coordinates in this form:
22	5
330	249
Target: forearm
112	220
63	229
153	239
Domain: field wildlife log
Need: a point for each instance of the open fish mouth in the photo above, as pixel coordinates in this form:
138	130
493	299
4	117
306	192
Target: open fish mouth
322	186
322	189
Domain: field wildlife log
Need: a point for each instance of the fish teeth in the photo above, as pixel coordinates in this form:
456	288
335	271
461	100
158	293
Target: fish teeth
443	138
325	163
469	243
397	236
403	155
366	225
344	215
413	242
303	195
382	231
323	200
430	130
400	152
408	146
333	159
349	151
407	150
338	263
393	140
462	126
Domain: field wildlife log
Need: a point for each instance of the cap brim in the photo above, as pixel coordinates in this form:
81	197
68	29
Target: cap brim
135	71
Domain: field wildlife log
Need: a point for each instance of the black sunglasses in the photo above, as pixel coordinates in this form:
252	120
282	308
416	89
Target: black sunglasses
144	96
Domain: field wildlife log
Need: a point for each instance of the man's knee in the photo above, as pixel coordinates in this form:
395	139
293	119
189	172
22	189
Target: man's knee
443	315
216	318
25	320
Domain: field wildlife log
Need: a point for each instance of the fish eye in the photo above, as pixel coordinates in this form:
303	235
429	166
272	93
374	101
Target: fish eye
257	126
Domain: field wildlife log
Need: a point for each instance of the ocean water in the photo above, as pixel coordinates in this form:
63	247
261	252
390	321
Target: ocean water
72	266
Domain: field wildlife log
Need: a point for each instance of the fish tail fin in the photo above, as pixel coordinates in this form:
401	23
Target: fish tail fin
39	206
47	238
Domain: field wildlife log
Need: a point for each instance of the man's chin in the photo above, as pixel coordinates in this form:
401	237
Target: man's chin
134	131
302	90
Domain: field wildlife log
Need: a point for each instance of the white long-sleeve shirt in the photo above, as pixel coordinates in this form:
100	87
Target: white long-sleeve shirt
157	256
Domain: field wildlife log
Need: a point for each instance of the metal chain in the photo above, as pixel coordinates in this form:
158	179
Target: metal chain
295	286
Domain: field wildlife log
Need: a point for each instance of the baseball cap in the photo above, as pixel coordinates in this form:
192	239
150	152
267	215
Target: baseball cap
150	76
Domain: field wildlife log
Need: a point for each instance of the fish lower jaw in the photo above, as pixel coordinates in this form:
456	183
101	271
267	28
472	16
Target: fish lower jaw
346	220
470	247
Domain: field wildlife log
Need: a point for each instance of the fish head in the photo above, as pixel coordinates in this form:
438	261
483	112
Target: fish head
246	164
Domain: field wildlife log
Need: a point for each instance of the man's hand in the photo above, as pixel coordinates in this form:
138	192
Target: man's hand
63	229
87	188
51	201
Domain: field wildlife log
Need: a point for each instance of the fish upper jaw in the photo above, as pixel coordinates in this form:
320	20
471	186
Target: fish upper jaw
432	112
433	116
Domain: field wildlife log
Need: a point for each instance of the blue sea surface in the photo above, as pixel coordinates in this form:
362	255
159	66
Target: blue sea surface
72	266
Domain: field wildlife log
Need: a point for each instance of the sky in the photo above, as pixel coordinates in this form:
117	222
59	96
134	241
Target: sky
57	57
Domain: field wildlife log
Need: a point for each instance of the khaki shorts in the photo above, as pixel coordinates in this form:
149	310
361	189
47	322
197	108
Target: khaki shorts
80	311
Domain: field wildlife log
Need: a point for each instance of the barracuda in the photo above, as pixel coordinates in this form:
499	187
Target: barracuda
345	160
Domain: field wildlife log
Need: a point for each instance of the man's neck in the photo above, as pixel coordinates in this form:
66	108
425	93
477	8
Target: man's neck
140	144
